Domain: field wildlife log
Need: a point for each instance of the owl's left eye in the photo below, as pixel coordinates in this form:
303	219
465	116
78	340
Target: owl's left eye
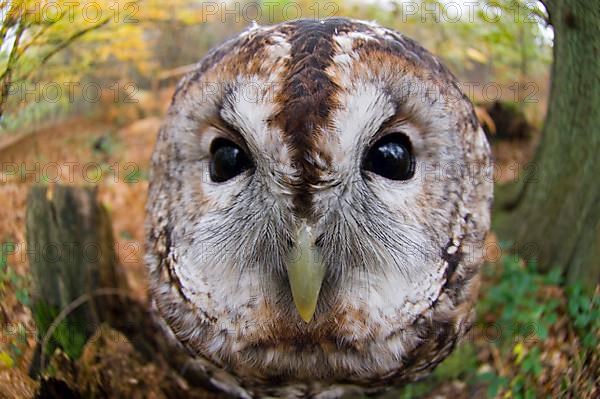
227	161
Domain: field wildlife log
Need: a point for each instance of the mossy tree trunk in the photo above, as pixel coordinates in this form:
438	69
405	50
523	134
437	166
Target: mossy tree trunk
554	212
71	256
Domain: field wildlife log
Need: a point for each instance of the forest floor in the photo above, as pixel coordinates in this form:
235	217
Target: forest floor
532	338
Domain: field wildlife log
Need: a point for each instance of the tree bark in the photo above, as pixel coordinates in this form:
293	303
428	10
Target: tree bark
554	214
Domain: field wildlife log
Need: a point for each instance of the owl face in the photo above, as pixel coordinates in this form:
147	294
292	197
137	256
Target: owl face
317	206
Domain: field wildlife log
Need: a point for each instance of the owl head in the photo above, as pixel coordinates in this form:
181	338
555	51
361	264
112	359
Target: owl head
317	207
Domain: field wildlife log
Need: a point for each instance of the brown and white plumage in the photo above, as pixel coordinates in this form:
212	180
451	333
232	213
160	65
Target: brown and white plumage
306	100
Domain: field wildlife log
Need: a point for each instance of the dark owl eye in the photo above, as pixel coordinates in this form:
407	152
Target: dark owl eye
391	157
227	161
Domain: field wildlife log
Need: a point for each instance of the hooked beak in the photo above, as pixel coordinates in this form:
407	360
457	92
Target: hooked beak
305	273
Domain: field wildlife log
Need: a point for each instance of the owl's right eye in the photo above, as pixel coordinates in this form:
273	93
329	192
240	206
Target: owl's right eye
391	157
227	160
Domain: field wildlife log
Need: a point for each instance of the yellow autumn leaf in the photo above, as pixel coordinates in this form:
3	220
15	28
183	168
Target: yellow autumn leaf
6	360
519	351
476	55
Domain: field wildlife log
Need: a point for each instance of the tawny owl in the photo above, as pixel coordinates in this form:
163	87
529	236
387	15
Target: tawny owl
318	203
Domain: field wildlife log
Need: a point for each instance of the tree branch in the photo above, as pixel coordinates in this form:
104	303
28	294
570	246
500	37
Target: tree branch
72	38
16	53
5	78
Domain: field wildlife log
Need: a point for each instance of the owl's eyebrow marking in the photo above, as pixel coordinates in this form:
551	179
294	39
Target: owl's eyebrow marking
227	128
399	118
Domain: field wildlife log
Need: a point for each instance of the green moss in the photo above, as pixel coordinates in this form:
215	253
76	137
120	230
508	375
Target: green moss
70	335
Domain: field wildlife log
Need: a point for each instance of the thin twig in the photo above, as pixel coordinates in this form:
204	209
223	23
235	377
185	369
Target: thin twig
70	308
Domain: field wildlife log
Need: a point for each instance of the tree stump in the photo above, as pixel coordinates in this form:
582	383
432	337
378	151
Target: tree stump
70	248
77	287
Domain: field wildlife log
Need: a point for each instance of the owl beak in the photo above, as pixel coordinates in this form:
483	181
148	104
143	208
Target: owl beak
305	273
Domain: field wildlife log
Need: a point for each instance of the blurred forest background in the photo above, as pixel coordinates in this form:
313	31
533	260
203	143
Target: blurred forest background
83	87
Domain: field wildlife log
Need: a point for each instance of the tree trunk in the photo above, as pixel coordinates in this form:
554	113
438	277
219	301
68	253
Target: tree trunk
71	256
555	214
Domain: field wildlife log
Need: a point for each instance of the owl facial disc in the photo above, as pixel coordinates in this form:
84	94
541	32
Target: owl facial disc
318	203
305	273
